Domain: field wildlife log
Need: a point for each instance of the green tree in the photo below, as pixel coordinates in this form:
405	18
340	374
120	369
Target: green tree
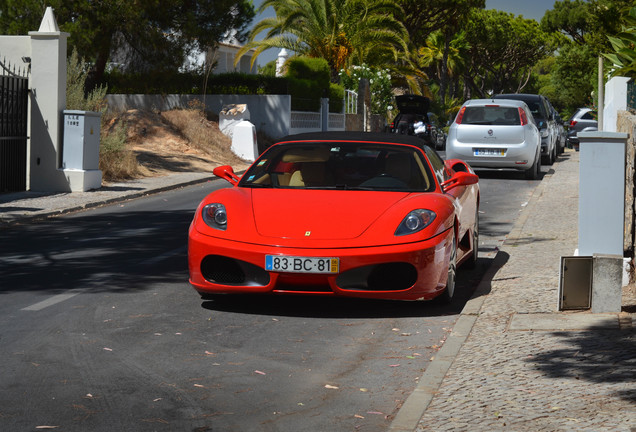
570	17
343	32
147	34
445	16
504	48
18	17
431	56
575	74
586	22
623	56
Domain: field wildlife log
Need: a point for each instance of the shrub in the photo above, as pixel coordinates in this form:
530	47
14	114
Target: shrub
116	160
77	98
379	83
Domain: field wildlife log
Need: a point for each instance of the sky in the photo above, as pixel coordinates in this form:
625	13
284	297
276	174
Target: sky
533	9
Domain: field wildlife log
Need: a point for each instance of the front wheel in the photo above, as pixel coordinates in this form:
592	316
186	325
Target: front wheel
472	263
449	292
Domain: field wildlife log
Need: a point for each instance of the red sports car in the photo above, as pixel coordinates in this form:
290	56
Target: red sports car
347	214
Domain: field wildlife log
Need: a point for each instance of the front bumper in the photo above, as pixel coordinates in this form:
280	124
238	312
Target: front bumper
410	271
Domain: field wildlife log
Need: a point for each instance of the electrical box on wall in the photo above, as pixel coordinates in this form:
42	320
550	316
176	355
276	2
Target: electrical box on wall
575	287
81	140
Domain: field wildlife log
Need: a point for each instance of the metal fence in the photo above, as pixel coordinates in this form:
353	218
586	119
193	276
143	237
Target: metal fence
14	93
631	95
351	102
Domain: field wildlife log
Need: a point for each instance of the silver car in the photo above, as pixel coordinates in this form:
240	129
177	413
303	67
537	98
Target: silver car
583	120
496	133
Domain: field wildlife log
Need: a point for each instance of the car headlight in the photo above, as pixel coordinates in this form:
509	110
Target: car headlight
215	216
544	133
415	221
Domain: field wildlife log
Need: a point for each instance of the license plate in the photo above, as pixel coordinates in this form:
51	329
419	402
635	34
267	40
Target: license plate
489	152
294	264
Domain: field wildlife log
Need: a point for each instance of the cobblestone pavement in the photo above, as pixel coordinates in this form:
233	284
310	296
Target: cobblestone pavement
523	365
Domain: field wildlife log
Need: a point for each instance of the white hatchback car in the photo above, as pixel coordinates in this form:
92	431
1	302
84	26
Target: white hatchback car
496	133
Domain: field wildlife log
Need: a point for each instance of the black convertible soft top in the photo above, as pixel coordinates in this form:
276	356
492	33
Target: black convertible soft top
355	136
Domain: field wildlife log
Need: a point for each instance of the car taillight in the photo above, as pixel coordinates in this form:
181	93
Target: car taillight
523	117
460	115
572	123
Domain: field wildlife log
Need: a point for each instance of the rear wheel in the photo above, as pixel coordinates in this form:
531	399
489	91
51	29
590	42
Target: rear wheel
475	242
533	172
552	156
449	293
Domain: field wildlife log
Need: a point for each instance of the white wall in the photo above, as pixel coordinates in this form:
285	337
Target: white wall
615	100
270	114
46	49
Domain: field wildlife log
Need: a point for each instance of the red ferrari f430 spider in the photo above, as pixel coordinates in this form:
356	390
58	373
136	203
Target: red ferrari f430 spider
338	214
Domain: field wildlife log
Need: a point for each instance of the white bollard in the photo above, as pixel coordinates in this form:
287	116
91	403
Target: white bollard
244	143
230	116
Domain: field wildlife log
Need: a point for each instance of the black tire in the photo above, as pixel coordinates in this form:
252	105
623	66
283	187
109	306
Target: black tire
534	171
449	292
552	156
472	263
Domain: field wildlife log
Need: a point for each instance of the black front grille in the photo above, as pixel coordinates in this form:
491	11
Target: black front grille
397	276
230	271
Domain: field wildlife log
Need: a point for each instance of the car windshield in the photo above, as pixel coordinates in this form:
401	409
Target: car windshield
342	166
491	115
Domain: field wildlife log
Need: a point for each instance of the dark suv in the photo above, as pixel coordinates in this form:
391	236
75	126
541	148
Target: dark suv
544	117
413	119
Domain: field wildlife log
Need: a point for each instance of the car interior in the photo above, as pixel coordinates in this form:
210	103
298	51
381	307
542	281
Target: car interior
341	167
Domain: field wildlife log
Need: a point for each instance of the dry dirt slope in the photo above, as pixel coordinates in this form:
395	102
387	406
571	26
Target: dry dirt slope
177	141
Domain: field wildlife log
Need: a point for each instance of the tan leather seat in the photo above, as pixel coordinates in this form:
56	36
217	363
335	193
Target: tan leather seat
309	174
398	165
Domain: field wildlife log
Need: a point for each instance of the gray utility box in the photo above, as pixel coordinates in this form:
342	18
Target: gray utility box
601	193
81	140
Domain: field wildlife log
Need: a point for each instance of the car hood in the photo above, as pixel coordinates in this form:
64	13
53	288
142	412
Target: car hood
413	104
318	214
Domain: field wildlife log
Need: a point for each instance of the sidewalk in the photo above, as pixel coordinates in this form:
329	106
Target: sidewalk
512	361
19	207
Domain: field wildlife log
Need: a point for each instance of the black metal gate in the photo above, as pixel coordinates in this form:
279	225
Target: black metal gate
14	96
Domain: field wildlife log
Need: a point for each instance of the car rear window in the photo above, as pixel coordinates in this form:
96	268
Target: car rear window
491	115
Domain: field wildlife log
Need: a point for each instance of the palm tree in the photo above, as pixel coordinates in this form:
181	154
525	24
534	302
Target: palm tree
432	56
343	32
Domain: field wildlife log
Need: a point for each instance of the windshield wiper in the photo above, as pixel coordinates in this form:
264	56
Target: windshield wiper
257	186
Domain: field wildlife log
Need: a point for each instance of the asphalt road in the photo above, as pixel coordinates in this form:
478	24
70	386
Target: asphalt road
100	331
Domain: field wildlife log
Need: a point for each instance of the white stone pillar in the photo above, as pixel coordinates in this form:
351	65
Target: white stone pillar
47	100
283	55
244	142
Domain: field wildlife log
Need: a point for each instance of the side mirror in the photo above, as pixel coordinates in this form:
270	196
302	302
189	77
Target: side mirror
460	178
227	173
457	165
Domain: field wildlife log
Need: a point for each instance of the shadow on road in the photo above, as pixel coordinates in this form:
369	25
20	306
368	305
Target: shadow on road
117	252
